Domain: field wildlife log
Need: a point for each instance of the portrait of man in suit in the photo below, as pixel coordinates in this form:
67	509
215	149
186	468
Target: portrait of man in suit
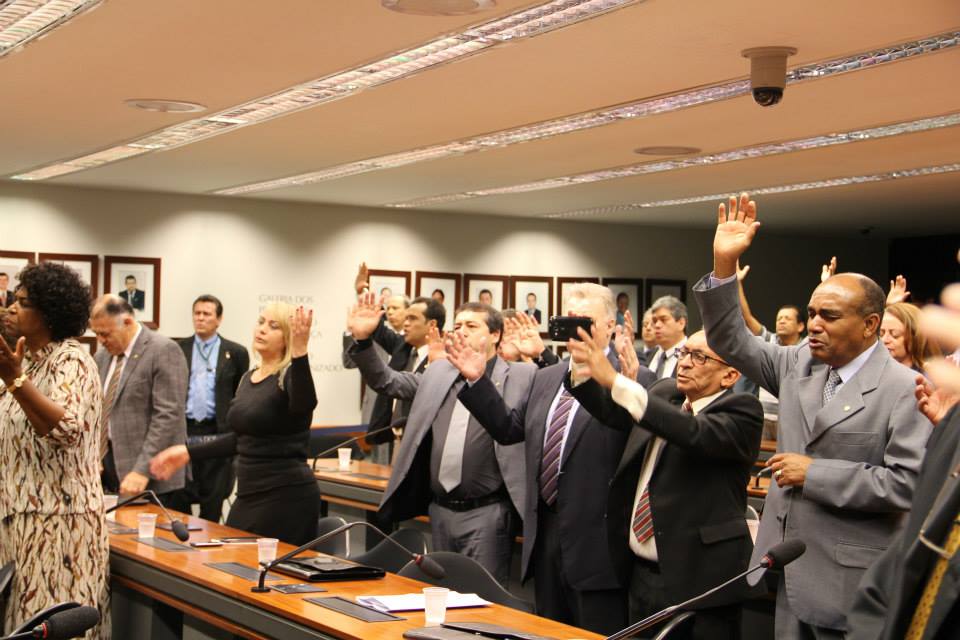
144	377
850	438
531	309
136	298
6	296
486	297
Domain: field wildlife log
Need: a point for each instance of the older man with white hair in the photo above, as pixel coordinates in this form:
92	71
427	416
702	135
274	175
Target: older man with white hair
570	461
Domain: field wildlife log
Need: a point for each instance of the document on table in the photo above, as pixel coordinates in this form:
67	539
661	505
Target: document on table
415	601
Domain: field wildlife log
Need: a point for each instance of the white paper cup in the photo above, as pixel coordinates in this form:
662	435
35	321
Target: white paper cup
435	605
266	550
110	501
146	524
343	455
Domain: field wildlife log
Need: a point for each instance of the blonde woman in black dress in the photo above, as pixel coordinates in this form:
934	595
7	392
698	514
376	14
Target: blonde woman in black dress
269	419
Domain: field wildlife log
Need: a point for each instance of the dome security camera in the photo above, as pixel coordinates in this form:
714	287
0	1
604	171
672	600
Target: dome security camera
768	73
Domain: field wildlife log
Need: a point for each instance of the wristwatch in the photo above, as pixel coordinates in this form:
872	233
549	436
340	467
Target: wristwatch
18	382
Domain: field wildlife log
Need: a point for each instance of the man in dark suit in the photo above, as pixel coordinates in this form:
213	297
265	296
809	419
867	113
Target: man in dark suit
569	460
144	379
850	438
216	366
890	603
668	318
6	296
136	298
677	502
446	464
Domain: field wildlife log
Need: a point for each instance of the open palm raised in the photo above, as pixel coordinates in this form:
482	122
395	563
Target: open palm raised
736	226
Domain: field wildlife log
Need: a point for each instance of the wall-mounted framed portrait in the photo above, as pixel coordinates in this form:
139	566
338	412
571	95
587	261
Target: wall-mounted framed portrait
533	295
136	280
87	265
562	284
11	263
385	282
628	293
443	287
490	289
657	288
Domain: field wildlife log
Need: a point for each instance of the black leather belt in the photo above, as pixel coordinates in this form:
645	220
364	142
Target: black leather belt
471	503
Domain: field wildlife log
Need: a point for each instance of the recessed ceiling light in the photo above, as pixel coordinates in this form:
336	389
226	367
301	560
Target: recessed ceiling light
666	151
438	7
165	106
602	117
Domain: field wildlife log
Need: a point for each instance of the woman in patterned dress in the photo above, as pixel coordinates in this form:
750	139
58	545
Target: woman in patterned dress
51	504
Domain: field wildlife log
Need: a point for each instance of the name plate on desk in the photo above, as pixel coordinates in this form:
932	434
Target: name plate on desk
470	631
354	610
163	545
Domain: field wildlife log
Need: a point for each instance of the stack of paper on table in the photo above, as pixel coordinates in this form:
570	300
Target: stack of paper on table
415	601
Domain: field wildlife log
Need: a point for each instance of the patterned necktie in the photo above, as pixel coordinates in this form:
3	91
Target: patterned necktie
830	388
662	364
451	460
111	395
643	516
550	463
925	606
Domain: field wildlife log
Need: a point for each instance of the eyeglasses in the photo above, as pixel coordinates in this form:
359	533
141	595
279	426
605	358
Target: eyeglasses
699	357
950	482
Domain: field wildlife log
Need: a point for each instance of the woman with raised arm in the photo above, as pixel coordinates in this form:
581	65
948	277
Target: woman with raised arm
277	495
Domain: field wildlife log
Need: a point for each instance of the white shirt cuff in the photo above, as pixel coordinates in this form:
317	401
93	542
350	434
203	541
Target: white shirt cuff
630	395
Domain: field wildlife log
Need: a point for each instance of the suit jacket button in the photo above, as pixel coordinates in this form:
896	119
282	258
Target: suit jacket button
67	499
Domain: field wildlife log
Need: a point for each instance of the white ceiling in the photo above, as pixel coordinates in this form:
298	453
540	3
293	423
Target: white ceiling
63	96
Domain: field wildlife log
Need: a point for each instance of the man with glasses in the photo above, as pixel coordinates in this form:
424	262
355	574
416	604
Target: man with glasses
676	505
850	436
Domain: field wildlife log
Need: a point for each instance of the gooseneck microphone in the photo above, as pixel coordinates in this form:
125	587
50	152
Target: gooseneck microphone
777	557
427	564
69	622
179	529
396	424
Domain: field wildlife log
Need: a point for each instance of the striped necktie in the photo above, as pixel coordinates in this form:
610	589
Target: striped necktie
550	463
112	387
643	516
925	606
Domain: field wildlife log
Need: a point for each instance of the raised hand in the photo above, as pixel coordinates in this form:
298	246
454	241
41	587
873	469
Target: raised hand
436	350
735	231
300	323
742	271
364	317
362	282
629	329
509	341
626	353
10	360
471	363
589	358
829	269
528	336
932	402
898	291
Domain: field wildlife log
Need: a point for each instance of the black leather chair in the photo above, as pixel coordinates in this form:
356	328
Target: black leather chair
337	545
466	575
386	556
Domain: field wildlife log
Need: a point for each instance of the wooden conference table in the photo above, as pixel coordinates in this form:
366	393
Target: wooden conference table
159	595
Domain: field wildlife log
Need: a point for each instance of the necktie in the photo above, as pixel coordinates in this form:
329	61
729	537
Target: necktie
550	463
925	606
412	361
661	365
830	388
112	387
643	516
451	461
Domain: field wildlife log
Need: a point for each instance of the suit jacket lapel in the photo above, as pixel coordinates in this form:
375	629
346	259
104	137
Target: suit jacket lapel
582	417
135	356
849	400
810	392
445	379
637	443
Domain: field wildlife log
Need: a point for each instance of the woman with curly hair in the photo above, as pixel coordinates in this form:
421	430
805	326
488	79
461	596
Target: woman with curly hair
900	334
51	504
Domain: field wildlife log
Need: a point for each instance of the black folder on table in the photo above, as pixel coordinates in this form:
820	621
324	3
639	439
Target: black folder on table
327	569
470	631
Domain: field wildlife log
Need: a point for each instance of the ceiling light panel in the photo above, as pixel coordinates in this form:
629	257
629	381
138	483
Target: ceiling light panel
23	20
745	153
522	24
602	117
788	188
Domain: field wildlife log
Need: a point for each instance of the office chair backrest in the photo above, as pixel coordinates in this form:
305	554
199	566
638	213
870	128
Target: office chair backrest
337	545
387	557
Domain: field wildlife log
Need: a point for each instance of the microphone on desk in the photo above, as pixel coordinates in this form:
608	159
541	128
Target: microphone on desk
777	557
179	529
396	424
68	620
428	565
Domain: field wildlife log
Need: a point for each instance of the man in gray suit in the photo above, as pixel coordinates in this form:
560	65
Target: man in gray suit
447	465
851	439
144	378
